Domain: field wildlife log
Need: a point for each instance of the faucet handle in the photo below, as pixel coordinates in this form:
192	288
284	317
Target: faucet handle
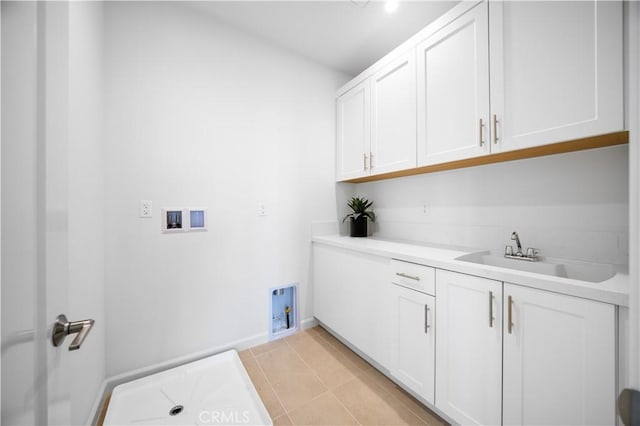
532	252
508	250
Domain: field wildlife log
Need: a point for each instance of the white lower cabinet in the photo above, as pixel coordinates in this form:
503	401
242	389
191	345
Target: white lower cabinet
351	296
482	351
548	360
413	328
469	348
413	354
559	359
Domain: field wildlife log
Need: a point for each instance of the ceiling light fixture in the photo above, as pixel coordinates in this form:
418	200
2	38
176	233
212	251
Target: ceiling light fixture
390	6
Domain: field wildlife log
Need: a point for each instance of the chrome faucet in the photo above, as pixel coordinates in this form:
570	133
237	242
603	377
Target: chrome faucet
514	236
531	255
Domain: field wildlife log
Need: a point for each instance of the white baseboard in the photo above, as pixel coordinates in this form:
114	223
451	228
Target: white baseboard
239	345
309	323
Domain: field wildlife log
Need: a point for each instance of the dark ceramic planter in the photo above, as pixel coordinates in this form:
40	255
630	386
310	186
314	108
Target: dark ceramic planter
359	226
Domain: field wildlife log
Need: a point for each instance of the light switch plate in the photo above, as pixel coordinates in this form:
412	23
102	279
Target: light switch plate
145	208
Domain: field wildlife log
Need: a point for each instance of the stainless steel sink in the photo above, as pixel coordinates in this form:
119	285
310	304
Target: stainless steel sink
576	270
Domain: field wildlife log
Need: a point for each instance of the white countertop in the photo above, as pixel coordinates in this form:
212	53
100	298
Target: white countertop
614	290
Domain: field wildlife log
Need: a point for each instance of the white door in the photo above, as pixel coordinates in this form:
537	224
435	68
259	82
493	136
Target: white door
393	121
469	348
413	342
38	379
33	195
353	138
556	71
453	90
559	359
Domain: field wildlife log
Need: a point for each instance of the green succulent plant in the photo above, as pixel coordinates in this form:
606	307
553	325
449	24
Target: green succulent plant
360	206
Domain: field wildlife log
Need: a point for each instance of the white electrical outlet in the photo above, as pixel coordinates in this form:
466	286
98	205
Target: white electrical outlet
262	209
425	208
145	208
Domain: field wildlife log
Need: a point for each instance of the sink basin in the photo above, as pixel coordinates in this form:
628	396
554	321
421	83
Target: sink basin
575	270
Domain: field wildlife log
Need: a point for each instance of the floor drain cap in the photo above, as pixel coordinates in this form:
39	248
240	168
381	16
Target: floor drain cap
176	410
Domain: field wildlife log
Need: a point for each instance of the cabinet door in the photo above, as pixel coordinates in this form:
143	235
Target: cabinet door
351	296
413	341
393	121
559	359
353	132
453	90
556	71
469	348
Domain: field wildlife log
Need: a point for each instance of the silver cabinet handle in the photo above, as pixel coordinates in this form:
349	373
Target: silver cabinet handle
426	319
510	319
481	132
365	162
411	277
491	317
62	328
495	129
370	160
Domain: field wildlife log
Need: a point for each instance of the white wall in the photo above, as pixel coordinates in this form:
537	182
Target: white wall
570	205
200	115
86	202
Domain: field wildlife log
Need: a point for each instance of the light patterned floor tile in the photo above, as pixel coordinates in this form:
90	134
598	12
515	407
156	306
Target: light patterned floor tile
371	405
282	420
246	354
324	410
276	344
280	362
311	378
294	390
331	371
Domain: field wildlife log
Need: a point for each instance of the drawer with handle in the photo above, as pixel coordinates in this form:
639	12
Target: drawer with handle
411	275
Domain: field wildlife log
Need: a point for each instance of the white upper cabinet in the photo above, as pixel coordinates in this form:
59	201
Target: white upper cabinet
489	77
377	122
453	90
556	71
353	132
393	120
559	359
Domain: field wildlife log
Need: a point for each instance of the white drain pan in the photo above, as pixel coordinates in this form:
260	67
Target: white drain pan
212	391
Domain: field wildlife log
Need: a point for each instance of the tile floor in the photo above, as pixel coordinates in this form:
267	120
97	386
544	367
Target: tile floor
311	378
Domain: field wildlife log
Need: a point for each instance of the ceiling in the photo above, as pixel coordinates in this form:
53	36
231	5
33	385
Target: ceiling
347	36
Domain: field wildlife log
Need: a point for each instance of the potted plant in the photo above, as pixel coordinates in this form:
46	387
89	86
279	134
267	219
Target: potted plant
359	216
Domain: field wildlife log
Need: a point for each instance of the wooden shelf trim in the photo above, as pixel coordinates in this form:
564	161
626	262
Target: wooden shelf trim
601	141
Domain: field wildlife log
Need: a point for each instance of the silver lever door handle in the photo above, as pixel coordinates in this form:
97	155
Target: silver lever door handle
62	328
